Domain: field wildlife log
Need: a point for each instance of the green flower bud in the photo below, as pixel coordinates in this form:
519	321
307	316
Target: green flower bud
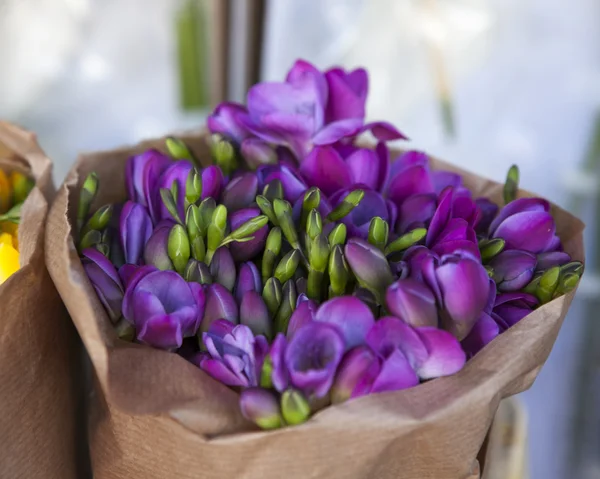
125	330
88	193
248	228
351	201
193	187
532	286
273	190
338	235
511	186
548	284
216	231
567	283
272	250
168	200
311	201
178	248
197	272
266	373
406	241
89	239
272	295
267	208
198	248
575	267
294	407
314	224
193	222
224	155
283	212
287	306
490	248
489	269
379	231
287	266
206	210
178	150
319	253
339	271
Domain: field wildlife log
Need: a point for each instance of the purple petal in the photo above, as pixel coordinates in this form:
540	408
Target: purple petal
446	356
441	217
222	268
257	152
531	231
357	372
396	374
353	318
162	332
140	273
513	269
250	249
416	211
212	181
413	302
411	181
364	167
554	258
408	159
304	313
178	173
135	228
142	172
155	251
293	186
248	279
484	331
337	130
347	94
226	121
240	192
280	375
488	211
325	168
220	304
222	373
261	407
520	205
384	131
443	179
254	314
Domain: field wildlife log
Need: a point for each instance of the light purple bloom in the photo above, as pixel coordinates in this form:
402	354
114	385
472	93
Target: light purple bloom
135	228
235	355
312	357
347	94
513	269
353	318
105	280
228	121
240	192
257	152
413	302
356	374
280	376
163	307
250	249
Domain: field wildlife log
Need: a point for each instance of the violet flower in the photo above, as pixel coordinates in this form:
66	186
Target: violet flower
352	317
135	228
155	250
510	308
248	279
513	269
359	219
234	356
413	302
250	249
228	120
142	173
347	94
485	329
105	280
305	312
293	185
220	304
526	224
163	307
312	357
240	192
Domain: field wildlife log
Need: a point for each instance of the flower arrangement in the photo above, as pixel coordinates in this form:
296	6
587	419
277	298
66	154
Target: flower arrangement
14	188
304	269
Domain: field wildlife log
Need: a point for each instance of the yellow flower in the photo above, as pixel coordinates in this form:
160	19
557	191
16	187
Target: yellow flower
5	193
9	258
12	229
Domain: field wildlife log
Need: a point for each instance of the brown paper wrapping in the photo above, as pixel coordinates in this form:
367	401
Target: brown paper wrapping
154	415
38	405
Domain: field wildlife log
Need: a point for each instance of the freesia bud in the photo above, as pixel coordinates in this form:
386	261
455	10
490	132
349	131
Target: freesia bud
567	283
216	231
90	239
88	193
272	295
168	200
413	302
283	212
489	249
155	251
100	219
178	247
261	407
193	187
197	272
286	308
105	280
273	190
223	155
337	236
257	153
248	222
272	249
178	150
267	208
314	224
575	267
240	192
198	249
254	314
406	241
248	228
304	313
206	210
222	268
351	201
511	185
287	266
369	265
220	304
135	228
294	407
319	253
312	357
339	272
513	269
379	231
547	285
311	201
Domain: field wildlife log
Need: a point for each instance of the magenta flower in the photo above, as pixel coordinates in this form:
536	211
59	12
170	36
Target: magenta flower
312	357
105	280
235	355
347	94
163	307
413	302
228	121
135	228
485	329
240	192
526	224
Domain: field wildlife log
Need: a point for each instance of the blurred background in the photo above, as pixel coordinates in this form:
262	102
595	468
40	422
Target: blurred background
481	83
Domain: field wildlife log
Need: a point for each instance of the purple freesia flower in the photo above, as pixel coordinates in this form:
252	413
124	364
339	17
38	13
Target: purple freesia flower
240	192
235	355
294	186
485	329
163	307
155	250
220	304
105	280
347	94
248	279
142	173
228	120
526	224
510	308
356	374
359	219
513	269
177	173
413	302
312	357
353	318
305	312
135	228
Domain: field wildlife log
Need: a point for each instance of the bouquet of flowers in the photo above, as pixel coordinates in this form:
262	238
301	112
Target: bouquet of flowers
38	344
278	272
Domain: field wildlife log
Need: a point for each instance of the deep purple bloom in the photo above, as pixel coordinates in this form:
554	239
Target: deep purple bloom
416	212
142	173
413	302
304	313
513	269
485	329
155	251
353	318
177	173
255	315
410	176
294	186
235	355
163	307
220	304
280	376
250	249
312	357
510	308
105	280
248	279
240	192
347	94
135	228
553	258
526	224
324	168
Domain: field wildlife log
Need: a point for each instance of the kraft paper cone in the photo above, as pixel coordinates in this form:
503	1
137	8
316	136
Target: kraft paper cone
38	344
154	415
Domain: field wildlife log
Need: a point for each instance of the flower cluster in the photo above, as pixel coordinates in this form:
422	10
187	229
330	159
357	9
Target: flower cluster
14	189
305	269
